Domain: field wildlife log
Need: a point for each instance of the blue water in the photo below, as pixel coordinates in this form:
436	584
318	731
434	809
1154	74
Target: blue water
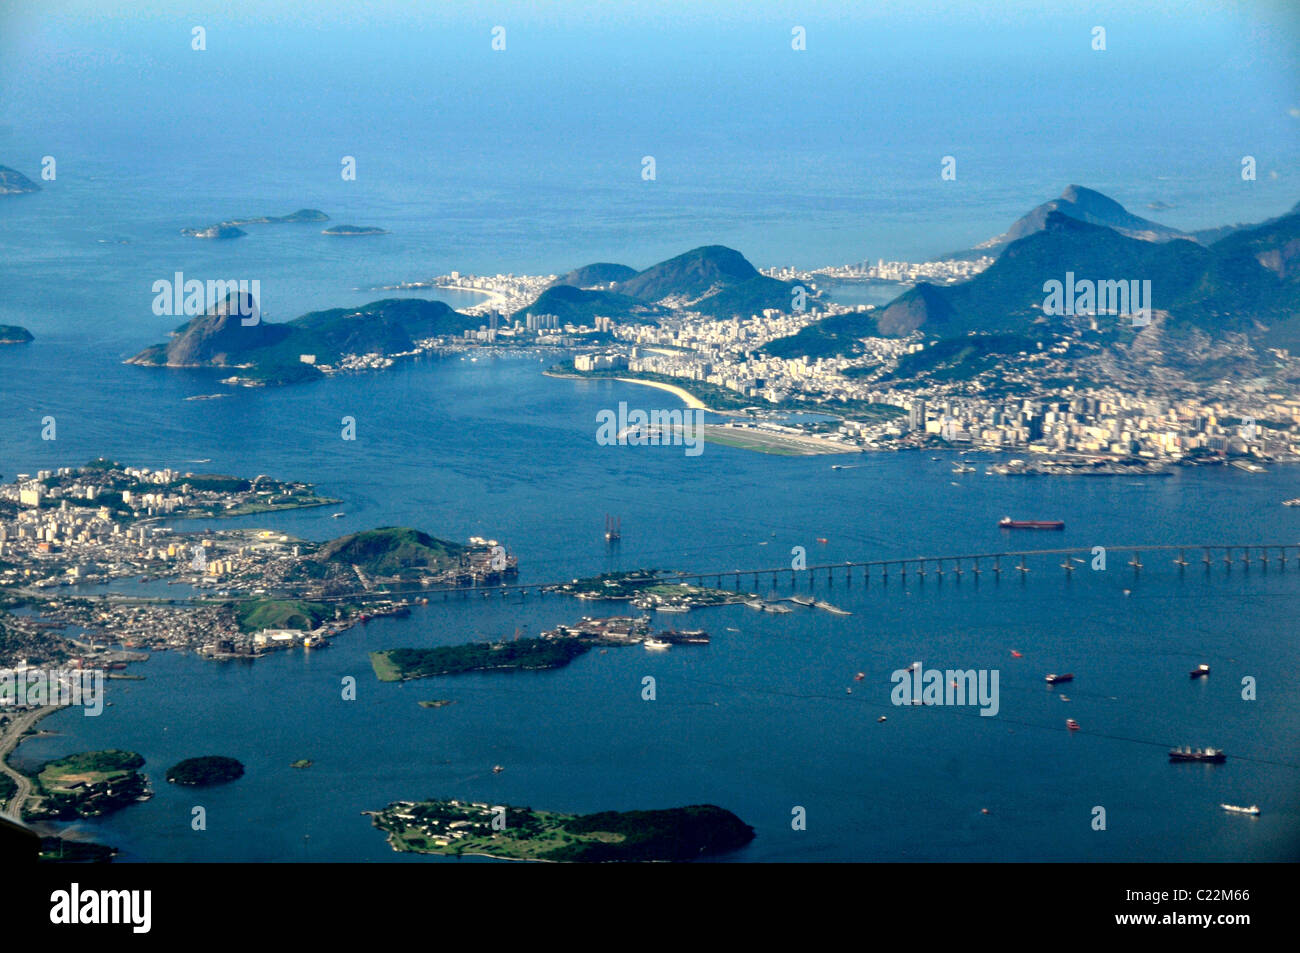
530	162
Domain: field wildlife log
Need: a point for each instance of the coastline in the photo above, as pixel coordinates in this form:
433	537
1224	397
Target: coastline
691	401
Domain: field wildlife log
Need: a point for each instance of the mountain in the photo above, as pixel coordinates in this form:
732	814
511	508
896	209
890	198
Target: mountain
1208	236
1084	205
713	280
600	274
1247	284
390	549
271	353
693	274
13	182
573	305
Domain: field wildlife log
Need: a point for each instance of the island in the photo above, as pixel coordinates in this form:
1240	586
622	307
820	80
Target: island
650	589
88	784
204	771
302	763
13	182
396	665
354	230
438	703
13	334
231	229
454	828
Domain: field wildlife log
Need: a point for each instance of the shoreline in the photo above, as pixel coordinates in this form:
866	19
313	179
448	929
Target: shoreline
692	402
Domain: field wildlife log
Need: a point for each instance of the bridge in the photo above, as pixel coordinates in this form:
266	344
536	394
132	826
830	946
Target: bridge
1206	554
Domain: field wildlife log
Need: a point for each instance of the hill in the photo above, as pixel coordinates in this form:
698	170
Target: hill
600	274
13	334
713	280
13	182
389	550
272	353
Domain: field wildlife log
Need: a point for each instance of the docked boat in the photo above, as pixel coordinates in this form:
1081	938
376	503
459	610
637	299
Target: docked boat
1071	724
1234	809
1008	523
656	645
1208	755
1055	679
963	468
802	600
1199	671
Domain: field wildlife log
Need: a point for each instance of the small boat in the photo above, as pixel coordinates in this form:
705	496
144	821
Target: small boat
1015	654
497	769
1234	809
1071	724
822	540
848	691
656	645
860	676
1055	679
1008	523
1209	755
1199	671
1295	502
880	719
337	516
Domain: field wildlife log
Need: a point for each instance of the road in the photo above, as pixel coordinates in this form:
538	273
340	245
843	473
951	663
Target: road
13	736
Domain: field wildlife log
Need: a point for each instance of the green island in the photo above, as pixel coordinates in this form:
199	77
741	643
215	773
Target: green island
210	769
395	665
453	828
302	763
87	784
13	334
438	703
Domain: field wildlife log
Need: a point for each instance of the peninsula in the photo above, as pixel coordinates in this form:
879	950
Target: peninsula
455	828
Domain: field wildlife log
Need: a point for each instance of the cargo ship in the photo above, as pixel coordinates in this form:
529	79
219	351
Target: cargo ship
1210	755
1234	809
1055	679
1008	523
1200	671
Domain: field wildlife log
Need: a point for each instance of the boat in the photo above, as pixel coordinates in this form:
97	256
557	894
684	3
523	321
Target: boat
337	516
860	676
963	468
656	645
1055	679
1209	755
1295	502
822	540
1008	523
1200	671
833	610
672	607
1234	809
497	769
773	607
1015	654
1071	724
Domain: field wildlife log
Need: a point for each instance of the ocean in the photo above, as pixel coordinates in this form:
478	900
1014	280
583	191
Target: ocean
517	164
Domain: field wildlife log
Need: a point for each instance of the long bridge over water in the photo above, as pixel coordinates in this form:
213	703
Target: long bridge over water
1206	554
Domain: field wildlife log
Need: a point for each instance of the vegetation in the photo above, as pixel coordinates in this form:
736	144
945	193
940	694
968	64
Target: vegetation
389	551
521	833
523	654
87	784
257	614
59	850
12	334
210	769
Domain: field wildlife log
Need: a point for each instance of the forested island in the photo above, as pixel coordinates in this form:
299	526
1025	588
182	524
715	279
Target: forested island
453	828
210	769
354	230
396	665
13	334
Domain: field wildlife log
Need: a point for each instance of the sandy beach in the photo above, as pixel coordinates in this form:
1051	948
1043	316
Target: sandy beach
690	400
